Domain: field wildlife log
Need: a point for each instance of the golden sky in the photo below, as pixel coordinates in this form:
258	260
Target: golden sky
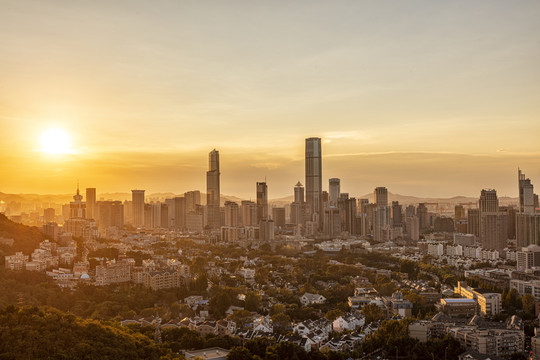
427	98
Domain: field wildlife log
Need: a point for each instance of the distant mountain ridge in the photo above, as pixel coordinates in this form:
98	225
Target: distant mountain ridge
403	199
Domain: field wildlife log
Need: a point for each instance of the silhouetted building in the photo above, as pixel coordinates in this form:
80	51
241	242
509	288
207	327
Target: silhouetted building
493	223
137	204
262	201
422	214
314	179
278	215
90	203
213	190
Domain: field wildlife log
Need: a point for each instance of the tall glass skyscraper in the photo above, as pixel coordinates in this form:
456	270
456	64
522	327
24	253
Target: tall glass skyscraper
212	190
314	179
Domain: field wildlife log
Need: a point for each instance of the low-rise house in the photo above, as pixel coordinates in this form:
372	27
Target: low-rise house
349	321
310	299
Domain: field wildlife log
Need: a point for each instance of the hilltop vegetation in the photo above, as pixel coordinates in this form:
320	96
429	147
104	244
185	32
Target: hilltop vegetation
37	333
26	238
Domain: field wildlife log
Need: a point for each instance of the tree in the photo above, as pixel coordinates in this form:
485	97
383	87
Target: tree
281	322
333	314
529	304
239	353
372	313
241	318
252	302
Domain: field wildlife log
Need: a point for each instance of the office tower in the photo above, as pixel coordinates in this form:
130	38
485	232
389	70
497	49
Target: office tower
511	215
334	191
170	213
314	179
410	211
382	216
459	213
108	214
362	205
526	194
397	214
422	213
413	227
249	213
278	215
213	191
266	230
262	201
473	222
493	223
527	219
128	212
193	198
90	203
165	224
298	205
231	214
77	207
137	205
48	215
180	212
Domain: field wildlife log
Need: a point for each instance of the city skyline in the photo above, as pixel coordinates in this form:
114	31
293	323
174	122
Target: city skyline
426	99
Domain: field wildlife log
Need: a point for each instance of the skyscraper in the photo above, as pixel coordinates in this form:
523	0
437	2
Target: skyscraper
262	201
526	194
334	190
212	190
137	204
298	205
493	223
314	179
382	219
231	214
90	203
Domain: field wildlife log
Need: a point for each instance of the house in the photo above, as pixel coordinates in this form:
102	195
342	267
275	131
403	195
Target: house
349	321
310	299
263	324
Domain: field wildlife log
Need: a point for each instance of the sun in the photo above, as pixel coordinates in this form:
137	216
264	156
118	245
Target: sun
55	141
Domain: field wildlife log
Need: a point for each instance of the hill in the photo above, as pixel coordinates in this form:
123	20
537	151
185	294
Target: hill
37	333
26	238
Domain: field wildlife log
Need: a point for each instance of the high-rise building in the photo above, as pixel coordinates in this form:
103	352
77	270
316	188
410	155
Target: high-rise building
314	179
526	194
180	212
193	198
109	213
473	222
493	223
397	214
413	228
334	191
382	216
213	190
231	214
90	203
423	219
249	213
137	204
298	205
77	207
459	213
262	201
278	215
48	215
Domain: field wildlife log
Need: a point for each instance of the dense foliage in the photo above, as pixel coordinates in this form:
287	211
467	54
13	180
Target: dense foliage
36	333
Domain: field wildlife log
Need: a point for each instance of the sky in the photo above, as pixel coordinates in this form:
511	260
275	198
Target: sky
427	98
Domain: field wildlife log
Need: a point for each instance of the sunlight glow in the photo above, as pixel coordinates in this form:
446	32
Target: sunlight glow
55	141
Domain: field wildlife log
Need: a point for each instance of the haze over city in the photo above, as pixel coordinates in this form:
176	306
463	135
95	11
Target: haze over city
426	98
